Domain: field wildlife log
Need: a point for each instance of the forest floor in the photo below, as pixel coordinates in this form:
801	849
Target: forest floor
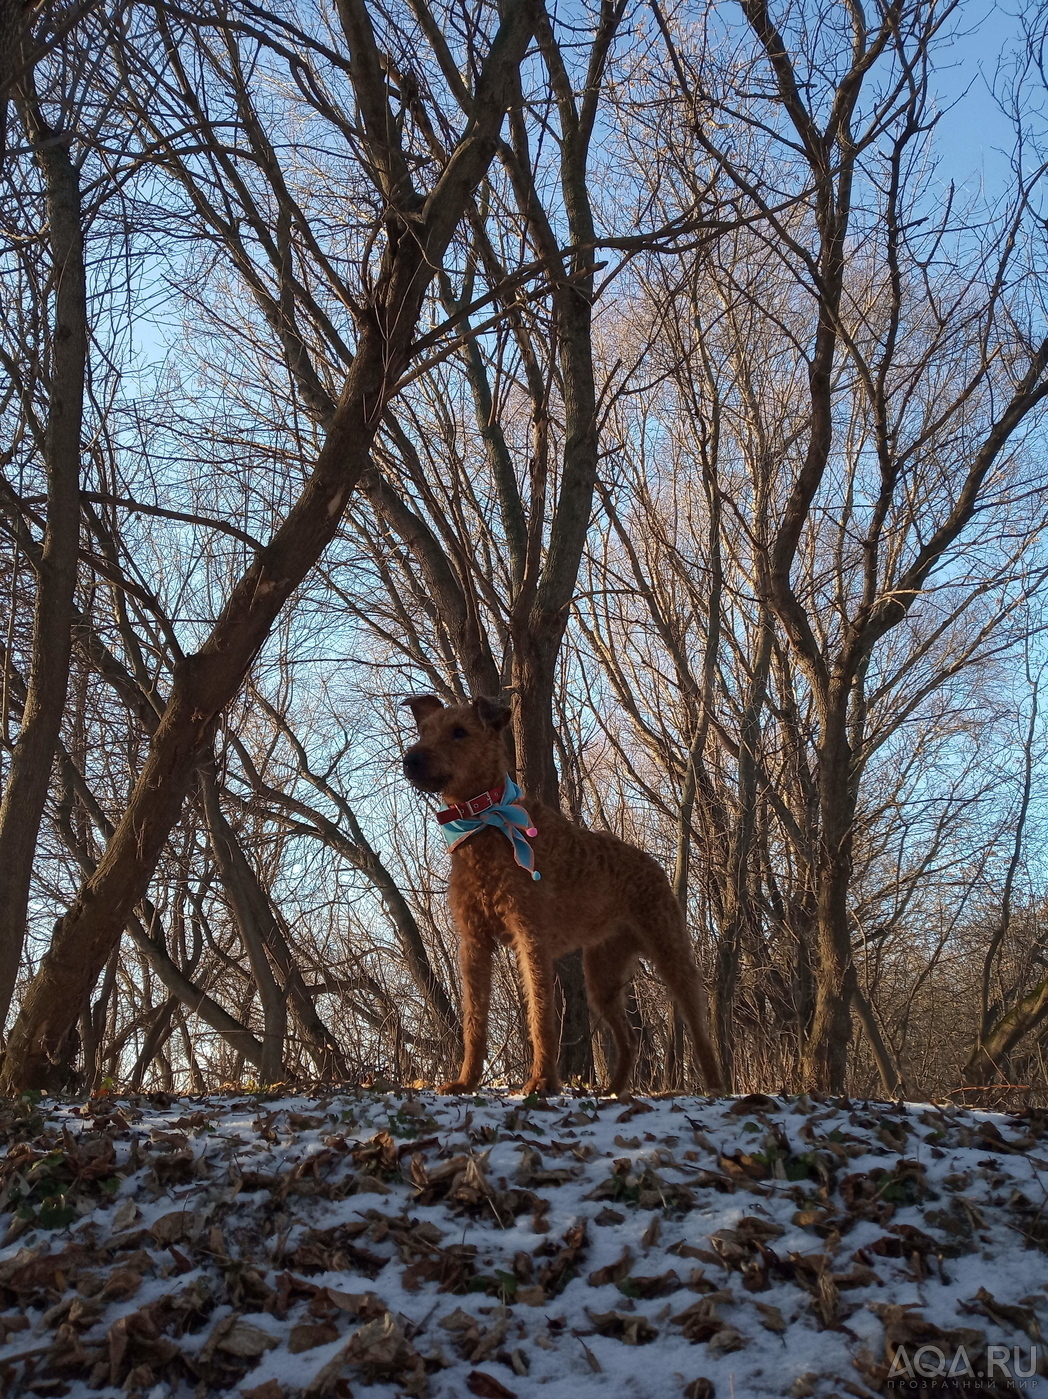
383	1243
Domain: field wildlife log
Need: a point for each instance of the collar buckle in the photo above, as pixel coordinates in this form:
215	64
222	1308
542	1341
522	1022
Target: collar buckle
462	811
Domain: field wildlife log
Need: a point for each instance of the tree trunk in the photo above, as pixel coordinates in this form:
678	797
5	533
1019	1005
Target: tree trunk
205	683
891	1077
160	1030
153	949
737	903
534	669
540	612
537	639
826	1052
253	905
675	1059
30	771
988	1058
236	880
93	1023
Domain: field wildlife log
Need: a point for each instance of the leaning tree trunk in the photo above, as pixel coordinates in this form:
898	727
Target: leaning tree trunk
990	1055
30	771
151	944
205	683
234	874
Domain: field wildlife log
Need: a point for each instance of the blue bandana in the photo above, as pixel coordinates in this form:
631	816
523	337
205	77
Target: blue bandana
507	815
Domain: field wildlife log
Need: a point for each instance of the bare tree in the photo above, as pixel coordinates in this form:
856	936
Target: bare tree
54	433
419	229
884	462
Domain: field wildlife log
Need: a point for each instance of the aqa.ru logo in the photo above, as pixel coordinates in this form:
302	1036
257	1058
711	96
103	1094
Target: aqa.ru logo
919	1370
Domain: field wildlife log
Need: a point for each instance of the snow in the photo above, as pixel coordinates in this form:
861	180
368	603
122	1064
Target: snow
416	1244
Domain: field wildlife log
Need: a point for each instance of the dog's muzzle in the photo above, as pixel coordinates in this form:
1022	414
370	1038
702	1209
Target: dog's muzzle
416	770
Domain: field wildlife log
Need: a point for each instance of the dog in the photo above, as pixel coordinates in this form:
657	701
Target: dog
524	876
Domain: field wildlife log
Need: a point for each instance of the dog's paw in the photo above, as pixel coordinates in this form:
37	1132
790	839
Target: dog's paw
541	1084
456	1087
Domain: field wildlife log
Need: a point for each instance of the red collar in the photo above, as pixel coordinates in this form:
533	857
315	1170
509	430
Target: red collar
463	810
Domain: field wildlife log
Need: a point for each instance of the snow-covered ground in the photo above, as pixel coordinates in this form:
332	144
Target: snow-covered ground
392	1243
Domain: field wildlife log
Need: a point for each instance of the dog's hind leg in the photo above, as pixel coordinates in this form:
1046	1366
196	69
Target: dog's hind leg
608	967
476	949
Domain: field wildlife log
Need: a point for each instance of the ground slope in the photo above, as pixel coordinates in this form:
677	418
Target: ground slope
388	1243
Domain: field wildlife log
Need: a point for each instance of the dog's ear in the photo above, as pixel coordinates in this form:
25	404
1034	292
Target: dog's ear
422	706
490	712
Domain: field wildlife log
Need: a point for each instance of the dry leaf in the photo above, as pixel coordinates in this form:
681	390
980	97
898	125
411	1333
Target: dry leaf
246	1340
271	1389
771	1317
170	1228
487	1386
531	1296
632	1330
613	1272
591	1359
307	1335
125	1215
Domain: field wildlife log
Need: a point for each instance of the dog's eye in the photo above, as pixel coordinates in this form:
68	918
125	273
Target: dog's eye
459	732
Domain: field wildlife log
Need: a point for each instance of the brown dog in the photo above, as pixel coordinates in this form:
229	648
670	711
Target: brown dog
595	892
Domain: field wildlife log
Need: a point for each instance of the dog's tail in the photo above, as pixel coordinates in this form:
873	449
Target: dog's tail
675	962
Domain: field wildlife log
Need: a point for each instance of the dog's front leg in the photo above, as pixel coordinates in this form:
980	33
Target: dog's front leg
536	968
475	952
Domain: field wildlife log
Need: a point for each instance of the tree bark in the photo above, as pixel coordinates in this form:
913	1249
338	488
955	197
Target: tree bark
989	1055
266	935
177	981
891	1077
205	683
26	791
826	1052
236	878
160	1029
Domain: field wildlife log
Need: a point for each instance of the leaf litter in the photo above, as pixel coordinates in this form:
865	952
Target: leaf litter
399	1243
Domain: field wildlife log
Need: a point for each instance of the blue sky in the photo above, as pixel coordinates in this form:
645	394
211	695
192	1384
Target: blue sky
974	136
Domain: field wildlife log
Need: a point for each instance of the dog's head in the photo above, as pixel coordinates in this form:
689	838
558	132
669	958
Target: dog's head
461	749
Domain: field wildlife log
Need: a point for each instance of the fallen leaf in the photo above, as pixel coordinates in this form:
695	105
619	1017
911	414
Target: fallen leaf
771	1317
125	1215
632	1329
246	1340
612	1272
727	1341
531	1296
271	1389
121	1284
307	1335
170	1228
